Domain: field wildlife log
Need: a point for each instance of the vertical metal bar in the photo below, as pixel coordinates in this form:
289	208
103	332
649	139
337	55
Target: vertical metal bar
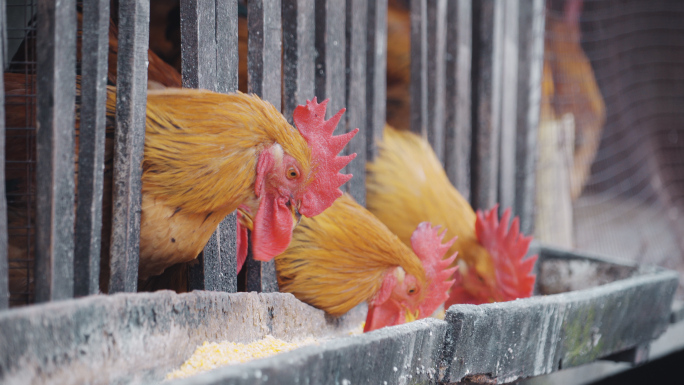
376	75
330	41
418	87
509	96
131	103
56	68
3	34
4	266
531	56
200	25
198	43
458	124
91	147
356	95
264	79
486	101
436	47
299	54
226	46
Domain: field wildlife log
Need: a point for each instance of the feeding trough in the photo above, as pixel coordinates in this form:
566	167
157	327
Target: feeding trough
613	310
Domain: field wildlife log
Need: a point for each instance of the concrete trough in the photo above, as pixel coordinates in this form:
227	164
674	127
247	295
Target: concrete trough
613	311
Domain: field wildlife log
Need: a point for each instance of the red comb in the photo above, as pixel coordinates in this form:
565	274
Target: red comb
426	242
508	248
318	133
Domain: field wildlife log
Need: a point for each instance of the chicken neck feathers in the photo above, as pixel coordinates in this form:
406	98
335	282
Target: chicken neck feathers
339	259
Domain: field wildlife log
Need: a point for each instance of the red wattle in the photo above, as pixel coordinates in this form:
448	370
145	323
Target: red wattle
272	227
241	243
387	314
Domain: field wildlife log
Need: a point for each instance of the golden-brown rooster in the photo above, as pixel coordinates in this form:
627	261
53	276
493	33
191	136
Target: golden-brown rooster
208	154
346	256
407	185
575	90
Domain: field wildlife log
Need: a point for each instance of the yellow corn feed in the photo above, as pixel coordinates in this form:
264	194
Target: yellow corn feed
212	355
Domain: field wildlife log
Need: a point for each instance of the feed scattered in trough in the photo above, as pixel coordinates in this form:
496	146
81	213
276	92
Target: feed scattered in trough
212	355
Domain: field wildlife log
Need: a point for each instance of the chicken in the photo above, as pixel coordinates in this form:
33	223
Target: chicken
407	185
346	256
575	90
398	64
208	154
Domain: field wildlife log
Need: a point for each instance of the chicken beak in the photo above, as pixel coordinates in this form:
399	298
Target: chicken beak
296	215
411	316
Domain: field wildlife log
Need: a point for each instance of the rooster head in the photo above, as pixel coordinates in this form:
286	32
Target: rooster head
401	298
286	188
507	247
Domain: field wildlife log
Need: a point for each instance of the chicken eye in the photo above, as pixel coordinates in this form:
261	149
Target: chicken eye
292	173
412	290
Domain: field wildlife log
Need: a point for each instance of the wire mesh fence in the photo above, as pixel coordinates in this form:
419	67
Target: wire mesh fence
614	89
608	171
20	160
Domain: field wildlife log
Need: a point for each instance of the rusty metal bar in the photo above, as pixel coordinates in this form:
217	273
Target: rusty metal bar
356	24
299	54
436	93
264	79
4	266
458	128
330	62
376	75
91	147
56	69
486	101
131	102
531	56
205	25
418	86
509	96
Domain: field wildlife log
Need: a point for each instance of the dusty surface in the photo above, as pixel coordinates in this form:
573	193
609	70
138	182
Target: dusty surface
134	338
139	338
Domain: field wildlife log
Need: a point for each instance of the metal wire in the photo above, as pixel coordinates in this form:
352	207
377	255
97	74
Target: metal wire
631	203
20	153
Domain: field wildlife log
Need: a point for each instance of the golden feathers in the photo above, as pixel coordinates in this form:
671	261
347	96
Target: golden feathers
338	259
407	185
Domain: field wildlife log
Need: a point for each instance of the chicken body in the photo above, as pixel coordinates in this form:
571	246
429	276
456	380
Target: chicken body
346	256
208	154
407	185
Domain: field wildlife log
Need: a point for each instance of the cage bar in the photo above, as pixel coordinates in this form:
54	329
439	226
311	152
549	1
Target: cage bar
356	23
56	50
418	86
531	59
299	53
509	95
330	59
91	148
264	79
226	45
376	75
200	38
436	94
131	103
198	43
458	128
4	265
486	101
